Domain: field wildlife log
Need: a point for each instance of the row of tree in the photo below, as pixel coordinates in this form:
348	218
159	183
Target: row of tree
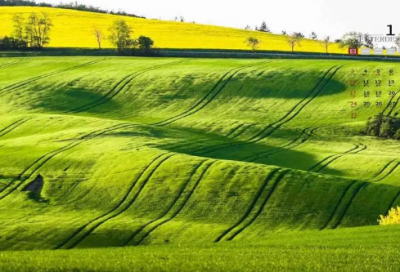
121	37
349	40
31	32
34	32
293	40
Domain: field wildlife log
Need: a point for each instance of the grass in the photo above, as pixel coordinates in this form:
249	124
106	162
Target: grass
203	158
360	249
74	29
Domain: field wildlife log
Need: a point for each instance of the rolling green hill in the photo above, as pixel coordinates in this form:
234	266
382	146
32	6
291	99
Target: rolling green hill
118	152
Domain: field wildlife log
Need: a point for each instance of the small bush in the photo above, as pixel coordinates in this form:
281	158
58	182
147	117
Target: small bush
392	218
12	43
387	127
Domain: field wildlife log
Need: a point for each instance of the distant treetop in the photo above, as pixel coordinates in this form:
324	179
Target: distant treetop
72	5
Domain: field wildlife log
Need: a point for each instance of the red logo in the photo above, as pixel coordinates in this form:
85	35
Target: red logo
353	51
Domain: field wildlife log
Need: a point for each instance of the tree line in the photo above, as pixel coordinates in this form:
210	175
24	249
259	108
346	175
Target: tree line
349	40
71	5
33	32
121	37
28	32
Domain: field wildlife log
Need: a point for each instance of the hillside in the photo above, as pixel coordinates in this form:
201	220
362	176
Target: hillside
74	29
99	152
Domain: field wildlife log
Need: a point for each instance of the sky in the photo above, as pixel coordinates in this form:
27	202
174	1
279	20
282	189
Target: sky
325	17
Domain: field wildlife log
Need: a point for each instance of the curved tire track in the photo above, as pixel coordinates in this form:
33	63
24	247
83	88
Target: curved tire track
341	207
38	163
294	111
256	207
292	145
347	206
330	159
9	64
17	85
125	203
13	126
271	128
391	167
120	86
175	208
207	99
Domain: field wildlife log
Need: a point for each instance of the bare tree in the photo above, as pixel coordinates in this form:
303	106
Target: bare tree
352	40
293	40
326	43
98	33
19	23
368	41
253	43
313	36
37	30
397	41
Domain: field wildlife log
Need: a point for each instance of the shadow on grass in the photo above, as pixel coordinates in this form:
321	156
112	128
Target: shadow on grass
218	147
66	99
277	84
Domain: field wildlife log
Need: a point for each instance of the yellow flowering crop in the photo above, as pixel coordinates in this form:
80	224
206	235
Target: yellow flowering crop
392	218
74	29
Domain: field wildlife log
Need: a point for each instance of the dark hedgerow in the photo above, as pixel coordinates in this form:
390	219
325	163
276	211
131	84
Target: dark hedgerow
387	127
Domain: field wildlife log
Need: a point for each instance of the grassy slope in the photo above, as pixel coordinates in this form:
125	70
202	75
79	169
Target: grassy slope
153	151
360	249
74	29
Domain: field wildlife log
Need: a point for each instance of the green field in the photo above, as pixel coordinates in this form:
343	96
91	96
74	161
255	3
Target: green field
358	249
180	156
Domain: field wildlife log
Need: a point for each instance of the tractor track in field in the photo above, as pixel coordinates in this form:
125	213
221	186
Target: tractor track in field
321	165
393	202
324	76
208	98
347	205
6	64
317	89
9	64
124	204
176	206
388	104
234	130
338	205
13	126
42	160
253	212
243	130
183	144
118	88
305	135
294	111
17	85
77	183
381	175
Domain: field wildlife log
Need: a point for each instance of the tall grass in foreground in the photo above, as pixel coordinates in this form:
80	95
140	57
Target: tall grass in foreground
359	249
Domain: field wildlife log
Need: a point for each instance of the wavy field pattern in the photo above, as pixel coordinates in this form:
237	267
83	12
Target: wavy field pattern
135	151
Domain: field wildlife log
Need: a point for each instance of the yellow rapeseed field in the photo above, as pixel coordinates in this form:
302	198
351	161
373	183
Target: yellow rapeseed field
74	29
